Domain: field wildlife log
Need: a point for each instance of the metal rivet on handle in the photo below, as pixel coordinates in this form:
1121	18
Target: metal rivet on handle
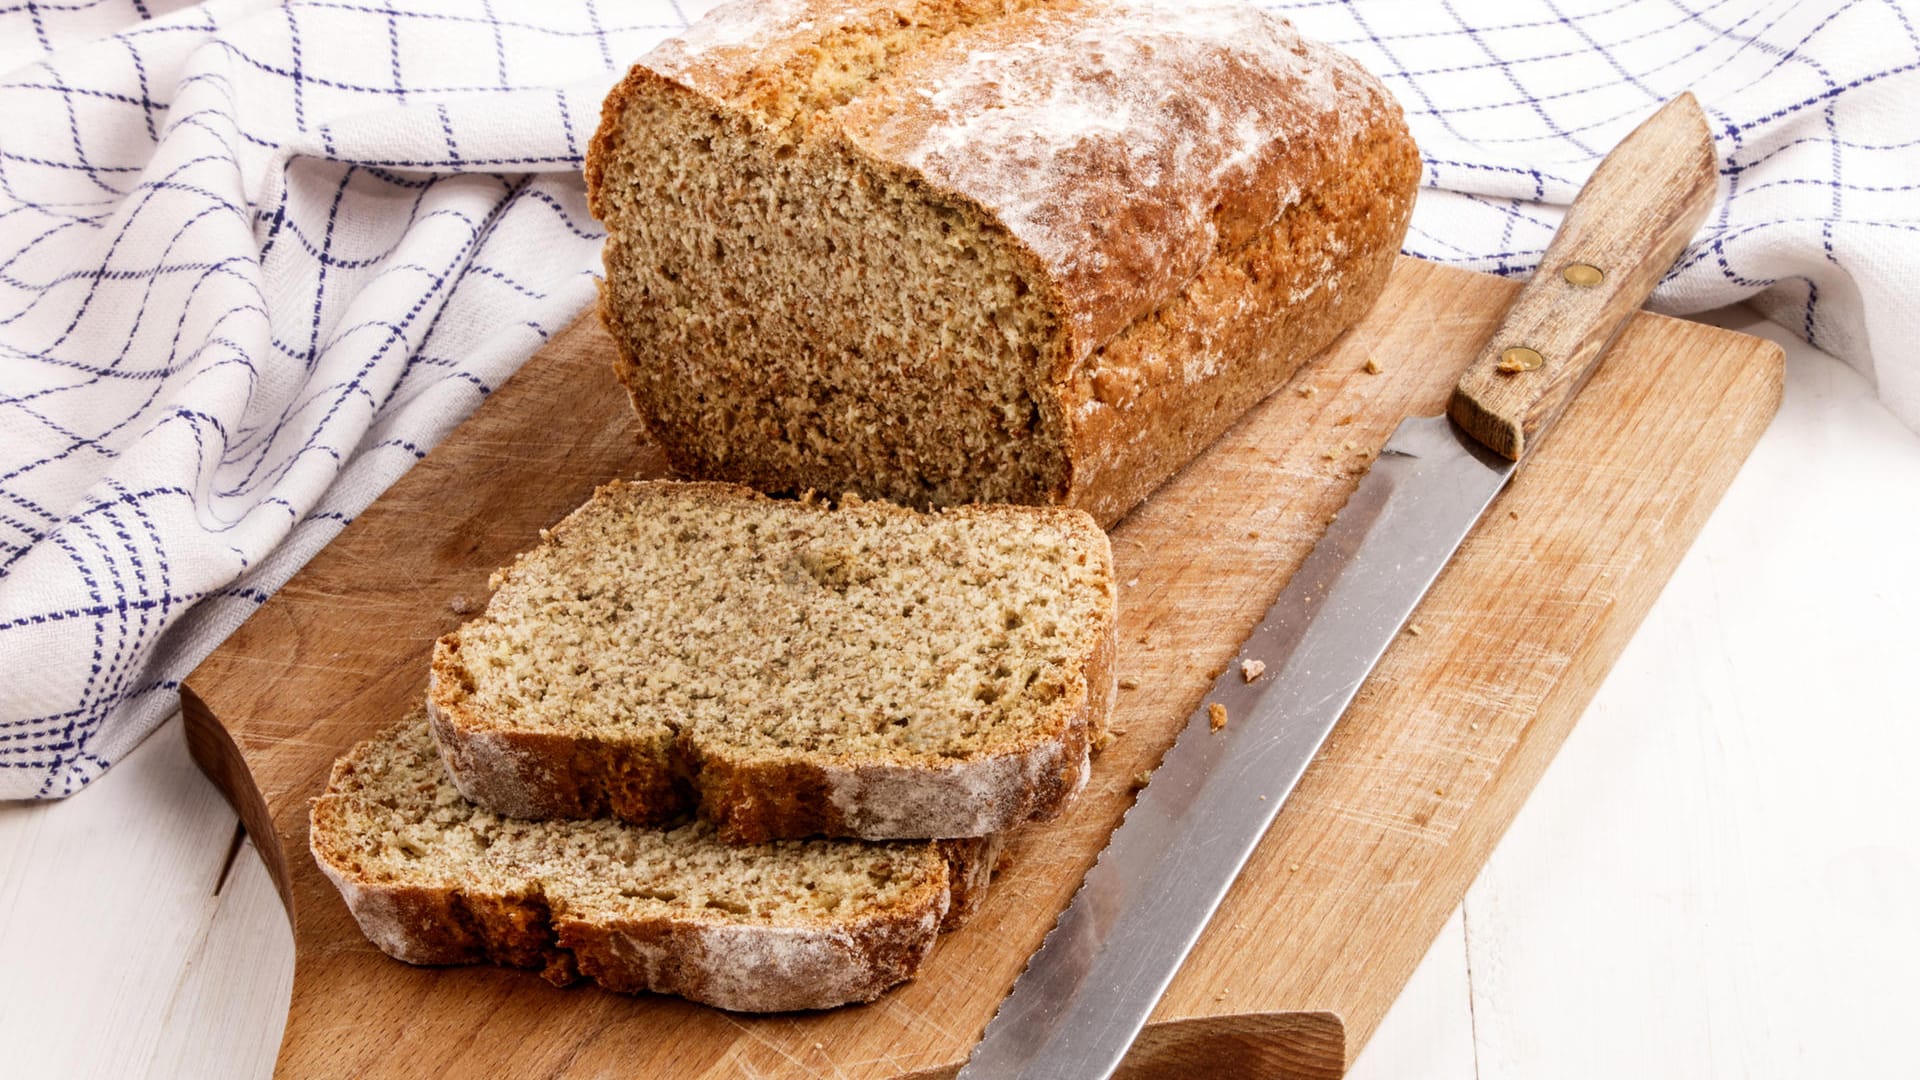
1582	274
1520	358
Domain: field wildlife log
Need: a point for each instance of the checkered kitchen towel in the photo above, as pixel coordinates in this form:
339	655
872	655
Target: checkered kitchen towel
256	259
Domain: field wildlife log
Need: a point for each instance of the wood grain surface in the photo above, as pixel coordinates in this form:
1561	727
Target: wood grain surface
1630	222
1336	908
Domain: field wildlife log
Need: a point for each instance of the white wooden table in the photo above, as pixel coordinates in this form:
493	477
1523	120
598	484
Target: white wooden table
1719	875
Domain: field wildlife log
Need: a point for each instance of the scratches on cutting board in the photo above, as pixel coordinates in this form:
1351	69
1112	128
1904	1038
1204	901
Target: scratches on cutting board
1516	635
741	1055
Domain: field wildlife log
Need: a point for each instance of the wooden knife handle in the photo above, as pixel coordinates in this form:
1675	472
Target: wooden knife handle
1630	222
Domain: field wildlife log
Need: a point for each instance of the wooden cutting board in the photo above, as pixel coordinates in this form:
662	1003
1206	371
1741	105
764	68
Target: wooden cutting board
1339	904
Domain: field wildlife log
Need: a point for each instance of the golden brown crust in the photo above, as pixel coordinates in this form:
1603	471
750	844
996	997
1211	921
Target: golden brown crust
1058	121
1179	321
1251	319
1197	256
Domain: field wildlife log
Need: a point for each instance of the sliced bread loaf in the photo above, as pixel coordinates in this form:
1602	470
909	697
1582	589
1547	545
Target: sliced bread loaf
433	879
940	251
787	668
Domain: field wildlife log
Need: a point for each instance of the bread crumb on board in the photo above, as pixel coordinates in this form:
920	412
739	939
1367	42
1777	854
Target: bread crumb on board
1216	715
1252	669
1129	683
1373	366
1414	629
1307	391
460	604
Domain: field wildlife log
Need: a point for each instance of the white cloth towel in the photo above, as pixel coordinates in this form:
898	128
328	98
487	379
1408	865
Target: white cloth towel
256	258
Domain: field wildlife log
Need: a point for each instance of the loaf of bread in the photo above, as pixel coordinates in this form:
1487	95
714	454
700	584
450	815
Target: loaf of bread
796	924
942	251
785	667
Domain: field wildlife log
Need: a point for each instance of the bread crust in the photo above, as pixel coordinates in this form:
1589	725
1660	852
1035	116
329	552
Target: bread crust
539	774
744	967
753	798
1137	421
1196	262
755	801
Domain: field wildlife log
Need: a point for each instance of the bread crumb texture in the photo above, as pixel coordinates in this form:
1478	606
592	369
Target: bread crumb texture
1216	715
433	879
942	251
789	667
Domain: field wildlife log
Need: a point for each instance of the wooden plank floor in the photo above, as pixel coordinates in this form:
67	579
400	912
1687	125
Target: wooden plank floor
1715	877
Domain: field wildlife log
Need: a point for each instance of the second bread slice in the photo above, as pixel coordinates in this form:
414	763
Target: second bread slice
802	924
785	668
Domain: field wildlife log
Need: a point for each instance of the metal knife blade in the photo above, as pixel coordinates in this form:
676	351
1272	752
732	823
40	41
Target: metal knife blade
1089	989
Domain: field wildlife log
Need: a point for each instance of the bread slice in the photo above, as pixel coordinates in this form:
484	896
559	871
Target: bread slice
942	251
433	879
787	668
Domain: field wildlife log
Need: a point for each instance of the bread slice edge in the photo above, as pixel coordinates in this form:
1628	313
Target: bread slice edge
538	774
742	967
754	797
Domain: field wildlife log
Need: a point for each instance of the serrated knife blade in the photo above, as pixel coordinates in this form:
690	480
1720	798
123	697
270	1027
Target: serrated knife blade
1088	990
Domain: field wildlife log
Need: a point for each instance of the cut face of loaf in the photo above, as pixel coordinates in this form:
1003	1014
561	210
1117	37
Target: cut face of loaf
941	251
786	668
433	879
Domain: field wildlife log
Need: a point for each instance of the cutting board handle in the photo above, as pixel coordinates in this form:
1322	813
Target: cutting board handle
1630	222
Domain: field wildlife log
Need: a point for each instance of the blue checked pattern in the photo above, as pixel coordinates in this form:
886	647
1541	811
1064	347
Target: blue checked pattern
1815	111
256	259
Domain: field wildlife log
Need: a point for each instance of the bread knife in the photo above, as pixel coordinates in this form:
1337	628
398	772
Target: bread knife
1088	990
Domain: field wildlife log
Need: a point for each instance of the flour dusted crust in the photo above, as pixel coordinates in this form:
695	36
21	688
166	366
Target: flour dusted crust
451	914
752	796
1125	144
1204	198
